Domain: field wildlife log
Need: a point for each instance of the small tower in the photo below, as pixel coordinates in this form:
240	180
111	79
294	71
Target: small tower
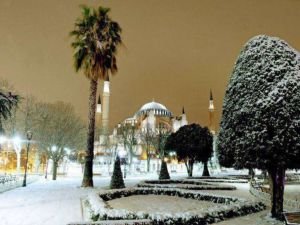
211	111
105	109
183	118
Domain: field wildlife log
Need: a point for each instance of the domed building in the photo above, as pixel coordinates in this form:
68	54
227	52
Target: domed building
148	121
130	138
153	114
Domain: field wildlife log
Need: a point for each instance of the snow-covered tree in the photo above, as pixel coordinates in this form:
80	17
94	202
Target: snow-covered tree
164	173
8	104
260	125
128	137
117	177
192	143
58	129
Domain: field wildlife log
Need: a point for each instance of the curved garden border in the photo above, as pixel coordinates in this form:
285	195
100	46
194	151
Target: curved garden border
233	207
184	184
219	179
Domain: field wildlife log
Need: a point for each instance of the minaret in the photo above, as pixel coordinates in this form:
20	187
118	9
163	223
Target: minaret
211	110
183	118
105	108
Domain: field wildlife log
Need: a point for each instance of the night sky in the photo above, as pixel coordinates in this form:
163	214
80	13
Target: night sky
174	50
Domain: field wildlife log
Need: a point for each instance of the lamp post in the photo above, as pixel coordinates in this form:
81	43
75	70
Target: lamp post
29	137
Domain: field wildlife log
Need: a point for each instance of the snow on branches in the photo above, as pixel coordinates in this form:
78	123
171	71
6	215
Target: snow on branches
260	126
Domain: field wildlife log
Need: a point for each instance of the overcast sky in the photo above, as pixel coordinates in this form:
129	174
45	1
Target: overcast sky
175	50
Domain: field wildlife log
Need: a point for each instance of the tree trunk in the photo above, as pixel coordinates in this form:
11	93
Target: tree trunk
88	166
205	170
54	170
277	176
148	164
251	173
189	166
130	162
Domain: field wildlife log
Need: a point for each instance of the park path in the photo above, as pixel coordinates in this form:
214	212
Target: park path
43	202
48	202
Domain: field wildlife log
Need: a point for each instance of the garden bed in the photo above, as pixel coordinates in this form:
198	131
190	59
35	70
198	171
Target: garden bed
160	203
227	207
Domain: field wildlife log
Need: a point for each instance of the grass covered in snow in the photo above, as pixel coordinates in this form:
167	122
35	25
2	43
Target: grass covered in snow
160	203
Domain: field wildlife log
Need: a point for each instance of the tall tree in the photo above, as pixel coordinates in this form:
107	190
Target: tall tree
192	143
159	141
58	129
97	37
128	137
147	136
260	125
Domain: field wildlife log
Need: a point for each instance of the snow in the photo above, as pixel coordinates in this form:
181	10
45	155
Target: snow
260	218
160	203
242	191
47	202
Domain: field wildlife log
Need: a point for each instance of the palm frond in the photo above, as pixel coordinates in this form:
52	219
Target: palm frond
96	38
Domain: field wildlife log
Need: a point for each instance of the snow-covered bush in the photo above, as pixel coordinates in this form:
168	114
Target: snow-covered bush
260	125
164	174
231	207
117	177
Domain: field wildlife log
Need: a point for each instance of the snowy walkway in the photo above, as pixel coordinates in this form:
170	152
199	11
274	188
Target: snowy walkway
47	202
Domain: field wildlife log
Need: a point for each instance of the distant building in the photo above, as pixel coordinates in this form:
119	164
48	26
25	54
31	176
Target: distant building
152	116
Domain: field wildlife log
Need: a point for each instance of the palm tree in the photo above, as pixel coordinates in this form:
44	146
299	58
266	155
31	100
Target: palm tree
7	102
97	37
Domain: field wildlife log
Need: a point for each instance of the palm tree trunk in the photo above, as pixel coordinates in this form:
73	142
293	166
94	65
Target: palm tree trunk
88	166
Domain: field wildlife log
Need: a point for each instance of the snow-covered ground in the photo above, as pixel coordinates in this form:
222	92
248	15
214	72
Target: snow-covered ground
160	203
48	202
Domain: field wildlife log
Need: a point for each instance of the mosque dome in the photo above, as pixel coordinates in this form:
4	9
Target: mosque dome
157	108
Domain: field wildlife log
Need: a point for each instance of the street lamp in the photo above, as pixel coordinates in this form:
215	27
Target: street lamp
29	137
